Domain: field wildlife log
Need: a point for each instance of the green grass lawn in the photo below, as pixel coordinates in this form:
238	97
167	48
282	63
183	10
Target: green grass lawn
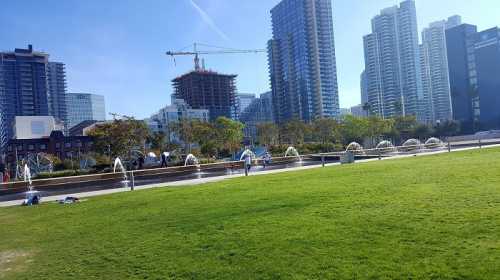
435	217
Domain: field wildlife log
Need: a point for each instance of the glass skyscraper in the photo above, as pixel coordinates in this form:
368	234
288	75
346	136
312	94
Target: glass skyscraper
302	62
85	107
23	88
435	75
392	63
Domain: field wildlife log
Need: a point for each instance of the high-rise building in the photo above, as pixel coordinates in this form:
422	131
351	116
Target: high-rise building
436	105
23	88
364	88
460	45
392	62
202	89
302	64
85	107
243	100
258	112
487	53
58	97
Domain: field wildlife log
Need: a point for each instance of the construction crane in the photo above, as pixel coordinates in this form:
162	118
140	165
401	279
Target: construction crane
118	116
196	53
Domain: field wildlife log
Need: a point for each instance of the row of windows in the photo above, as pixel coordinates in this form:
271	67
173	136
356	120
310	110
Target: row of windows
43	147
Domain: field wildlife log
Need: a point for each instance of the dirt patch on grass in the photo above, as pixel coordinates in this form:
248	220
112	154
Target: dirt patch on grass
13	262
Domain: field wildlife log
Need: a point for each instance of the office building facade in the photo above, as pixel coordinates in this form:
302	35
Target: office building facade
302	63
85	107
179	110
437	104
392	63
460	45
487	58
243	100
23	88
258	112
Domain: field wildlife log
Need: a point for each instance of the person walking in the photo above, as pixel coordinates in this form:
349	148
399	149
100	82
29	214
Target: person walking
267	159
248	162
2	171
163	160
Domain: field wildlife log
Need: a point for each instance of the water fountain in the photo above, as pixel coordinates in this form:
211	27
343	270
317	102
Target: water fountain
355	148
32	196
385	147
434	143
412	144
191	160
292	151
118	163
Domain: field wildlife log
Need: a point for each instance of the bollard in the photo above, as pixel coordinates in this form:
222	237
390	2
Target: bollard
480	144
245	165
449	147
379	154
323	161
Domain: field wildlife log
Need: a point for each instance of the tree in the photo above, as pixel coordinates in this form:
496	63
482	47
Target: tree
353	129
294	132
229	134
447	129
268	134
205	135
422	132
184	131
325	130
119	137
378	127
157	140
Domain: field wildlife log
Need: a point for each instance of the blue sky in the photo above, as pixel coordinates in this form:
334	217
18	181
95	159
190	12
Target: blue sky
116	47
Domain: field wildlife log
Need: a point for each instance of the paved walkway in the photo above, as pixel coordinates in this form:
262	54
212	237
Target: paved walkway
194	182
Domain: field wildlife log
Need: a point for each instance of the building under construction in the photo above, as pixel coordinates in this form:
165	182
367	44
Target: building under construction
203	89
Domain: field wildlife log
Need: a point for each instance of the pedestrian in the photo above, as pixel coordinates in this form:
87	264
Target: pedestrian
6	176
267	159
248	162
2	171
163	160
141	162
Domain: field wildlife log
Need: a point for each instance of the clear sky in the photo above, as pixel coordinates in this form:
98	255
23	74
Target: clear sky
116	47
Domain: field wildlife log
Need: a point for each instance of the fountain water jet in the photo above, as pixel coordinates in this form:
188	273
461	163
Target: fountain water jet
412	144
118	163
32	196
385	147
191	160
433	143
355	148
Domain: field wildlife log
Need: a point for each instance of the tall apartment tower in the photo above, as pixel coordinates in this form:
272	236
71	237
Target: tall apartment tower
437	104
85	107
23	88
392	63
460	45
302	63
202	89
58	97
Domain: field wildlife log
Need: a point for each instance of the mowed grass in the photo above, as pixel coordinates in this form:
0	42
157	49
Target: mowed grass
434	217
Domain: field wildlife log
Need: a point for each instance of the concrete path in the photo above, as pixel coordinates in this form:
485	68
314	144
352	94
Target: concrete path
194	182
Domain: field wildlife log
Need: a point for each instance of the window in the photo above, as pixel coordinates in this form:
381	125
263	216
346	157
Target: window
58	145
20	147
10	148
31	147
43	147
67	145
